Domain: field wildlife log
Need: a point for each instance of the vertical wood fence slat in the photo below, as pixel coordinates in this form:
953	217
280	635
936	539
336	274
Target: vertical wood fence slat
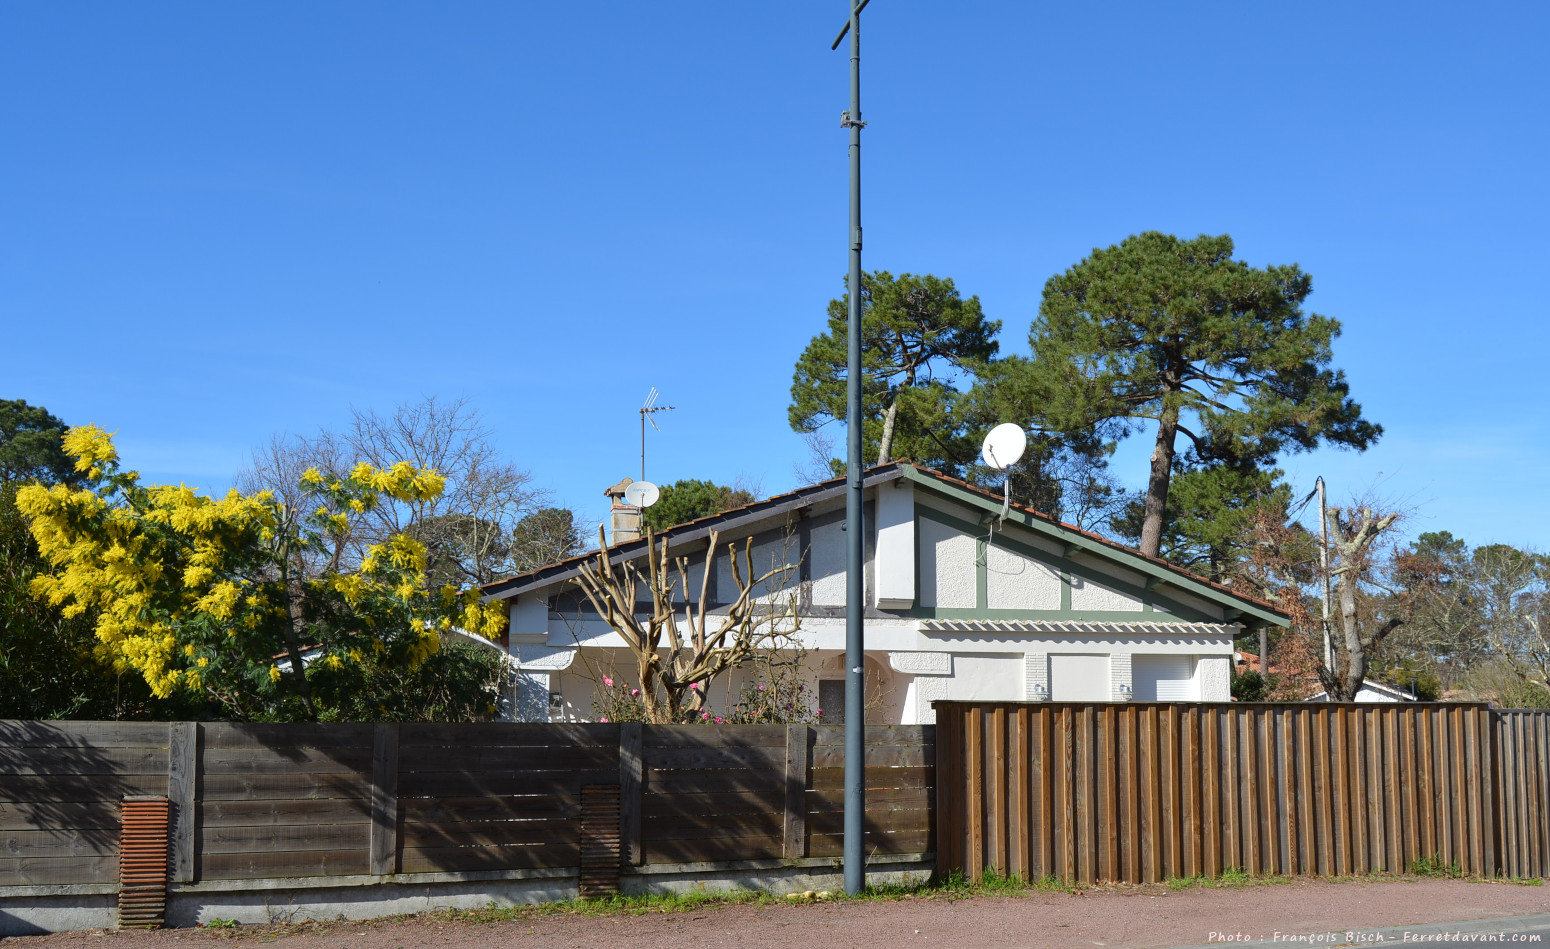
182	789
996	785
383	846
794	841
632	772
975	800
1020	837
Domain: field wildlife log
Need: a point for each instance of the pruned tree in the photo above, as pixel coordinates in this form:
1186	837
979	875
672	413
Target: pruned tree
680	646
1355	534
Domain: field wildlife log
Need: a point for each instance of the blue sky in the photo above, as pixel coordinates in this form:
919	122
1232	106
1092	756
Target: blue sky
224	221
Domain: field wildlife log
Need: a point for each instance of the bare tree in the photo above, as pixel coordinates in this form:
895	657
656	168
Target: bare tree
679	654
1355	533
467	529
1510	588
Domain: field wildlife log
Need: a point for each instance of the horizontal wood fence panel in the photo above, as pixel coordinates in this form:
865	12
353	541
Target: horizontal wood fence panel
903	842
909	799
489	833
283	838
719	781
228	735
78	788
918	755
452	859
285	787
90	815
286	760
704	806
217	814
97	761
467	759
706	759
56	843
305	800
267	865
39	871
726	825
702	736
59	735
499	783
491	734
876	778
456	809
711	849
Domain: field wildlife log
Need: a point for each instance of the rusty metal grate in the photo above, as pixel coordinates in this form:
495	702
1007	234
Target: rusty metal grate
142	863
600	853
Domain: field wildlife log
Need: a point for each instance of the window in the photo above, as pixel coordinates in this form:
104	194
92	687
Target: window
1164	679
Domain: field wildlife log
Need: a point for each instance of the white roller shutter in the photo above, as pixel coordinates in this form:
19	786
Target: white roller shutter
1079	678
1163	678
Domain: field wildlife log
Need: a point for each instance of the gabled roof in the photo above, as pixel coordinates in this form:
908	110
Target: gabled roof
1075	539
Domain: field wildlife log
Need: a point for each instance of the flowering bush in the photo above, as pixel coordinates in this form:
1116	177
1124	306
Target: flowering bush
204	595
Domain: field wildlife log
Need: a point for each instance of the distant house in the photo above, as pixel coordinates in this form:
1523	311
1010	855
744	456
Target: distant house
1372	691
960	604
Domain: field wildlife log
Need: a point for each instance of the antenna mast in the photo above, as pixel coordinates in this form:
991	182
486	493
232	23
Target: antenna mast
646	412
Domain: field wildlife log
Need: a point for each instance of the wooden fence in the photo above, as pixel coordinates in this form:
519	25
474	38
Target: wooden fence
1143	792
275	801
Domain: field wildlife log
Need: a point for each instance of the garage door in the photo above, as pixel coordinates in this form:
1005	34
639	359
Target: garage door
1079	678
1163	678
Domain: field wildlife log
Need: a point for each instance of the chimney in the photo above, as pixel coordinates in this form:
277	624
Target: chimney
624	519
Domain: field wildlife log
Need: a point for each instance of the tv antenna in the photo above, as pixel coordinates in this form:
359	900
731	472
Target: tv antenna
646	411
1002	449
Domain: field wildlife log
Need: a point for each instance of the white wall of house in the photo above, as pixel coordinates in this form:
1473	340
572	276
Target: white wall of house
961	606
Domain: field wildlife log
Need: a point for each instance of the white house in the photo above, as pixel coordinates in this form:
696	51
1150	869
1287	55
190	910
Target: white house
960	604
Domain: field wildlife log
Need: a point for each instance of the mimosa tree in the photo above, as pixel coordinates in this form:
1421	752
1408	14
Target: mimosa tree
222	596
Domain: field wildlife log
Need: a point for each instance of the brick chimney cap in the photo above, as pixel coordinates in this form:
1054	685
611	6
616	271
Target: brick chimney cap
617	491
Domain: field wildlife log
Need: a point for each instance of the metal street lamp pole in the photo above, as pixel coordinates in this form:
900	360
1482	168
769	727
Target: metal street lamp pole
855	590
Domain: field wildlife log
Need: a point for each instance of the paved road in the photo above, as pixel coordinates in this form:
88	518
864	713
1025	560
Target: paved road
1518	931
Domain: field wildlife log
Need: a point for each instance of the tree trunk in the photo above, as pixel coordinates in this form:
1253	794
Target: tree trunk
1157	483
885	447
1355	654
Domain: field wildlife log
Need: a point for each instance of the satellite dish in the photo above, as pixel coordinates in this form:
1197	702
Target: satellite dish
1003	446
641	494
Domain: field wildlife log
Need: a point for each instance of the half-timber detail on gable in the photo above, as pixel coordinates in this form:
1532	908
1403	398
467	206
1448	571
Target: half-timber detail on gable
963	600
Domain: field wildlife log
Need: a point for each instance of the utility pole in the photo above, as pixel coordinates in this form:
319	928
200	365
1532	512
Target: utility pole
855	706
1329	642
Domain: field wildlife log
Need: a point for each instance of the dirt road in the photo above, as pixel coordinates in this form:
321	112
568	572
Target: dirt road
1117	918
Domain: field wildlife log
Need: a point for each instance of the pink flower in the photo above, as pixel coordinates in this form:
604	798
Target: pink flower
704	716
608	682
604	718
635	691
695	686
719	720
820	711
761	688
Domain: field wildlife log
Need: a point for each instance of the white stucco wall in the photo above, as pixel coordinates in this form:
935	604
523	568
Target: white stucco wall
1088	595
948	573
827	545
1014	581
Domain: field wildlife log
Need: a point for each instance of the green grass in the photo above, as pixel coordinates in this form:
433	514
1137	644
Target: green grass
1229	878
219	923
1433	867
